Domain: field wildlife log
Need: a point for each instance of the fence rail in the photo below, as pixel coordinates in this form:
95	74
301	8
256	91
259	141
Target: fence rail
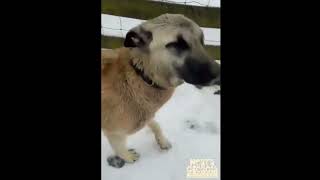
119	16
119	26
205	16
204	3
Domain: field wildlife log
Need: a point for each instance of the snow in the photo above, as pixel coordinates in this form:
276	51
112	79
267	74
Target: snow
111	26
188	107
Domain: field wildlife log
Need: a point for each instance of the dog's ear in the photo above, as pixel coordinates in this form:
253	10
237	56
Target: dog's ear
138	37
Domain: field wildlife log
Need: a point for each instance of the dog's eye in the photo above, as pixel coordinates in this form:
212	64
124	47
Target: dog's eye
180	45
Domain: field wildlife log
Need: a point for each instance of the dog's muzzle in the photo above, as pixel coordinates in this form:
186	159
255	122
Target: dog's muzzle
200	73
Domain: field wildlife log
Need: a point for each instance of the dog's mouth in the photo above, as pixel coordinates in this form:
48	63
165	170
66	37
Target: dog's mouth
199	78
214	82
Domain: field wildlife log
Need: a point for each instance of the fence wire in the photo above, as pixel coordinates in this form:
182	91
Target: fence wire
187	3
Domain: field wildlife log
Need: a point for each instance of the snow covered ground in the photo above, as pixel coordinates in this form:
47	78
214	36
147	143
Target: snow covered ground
191	121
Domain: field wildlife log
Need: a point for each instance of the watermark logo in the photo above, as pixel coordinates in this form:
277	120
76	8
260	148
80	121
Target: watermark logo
202	168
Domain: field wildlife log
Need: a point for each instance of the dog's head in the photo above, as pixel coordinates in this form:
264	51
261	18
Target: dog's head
170	49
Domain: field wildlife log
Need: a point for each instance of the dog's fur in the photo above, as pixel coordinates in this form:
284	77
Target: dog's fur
169	51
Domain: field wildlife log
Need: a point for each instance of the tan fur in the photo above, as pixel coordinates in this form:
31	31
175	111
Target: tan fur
108	56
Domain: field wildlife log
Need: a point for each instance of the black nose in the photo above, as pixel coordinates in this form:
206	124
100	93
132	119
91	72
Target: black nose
199	73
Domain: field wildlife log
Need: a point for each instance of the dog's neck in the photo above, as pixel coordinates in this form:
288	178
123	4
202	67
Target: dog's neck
138	61
140	72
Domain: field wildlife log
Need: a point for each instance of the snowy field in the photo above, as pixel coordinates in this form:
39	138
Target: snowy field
191	122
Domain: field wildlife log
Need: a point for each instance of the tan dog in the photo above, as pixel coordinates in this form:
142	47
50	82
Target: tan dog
137	80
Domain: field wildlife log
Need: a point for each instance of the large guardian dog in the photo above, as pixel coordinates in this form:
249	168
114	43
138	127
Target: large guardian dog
137	79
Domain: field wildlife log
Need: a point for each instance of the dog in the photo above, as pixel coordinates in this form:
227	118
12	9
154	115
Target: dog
137	79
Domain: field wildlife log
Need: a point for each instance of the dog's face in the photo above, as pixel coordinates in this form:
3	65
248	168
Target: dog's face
171	50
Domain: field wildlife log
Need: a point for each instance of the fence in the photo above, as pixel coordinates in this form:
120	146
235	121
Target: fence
119	16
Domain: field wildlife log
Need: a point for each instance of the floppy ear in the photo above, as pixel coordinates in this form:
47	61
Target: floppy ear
138	37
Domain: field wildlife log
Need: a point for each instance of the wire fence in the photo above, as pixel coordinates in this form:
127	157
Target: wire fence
204	3
118	26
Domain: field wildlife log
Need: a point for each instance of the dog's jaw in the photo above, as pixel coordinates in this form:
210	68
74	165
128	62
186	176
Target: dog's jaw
174	81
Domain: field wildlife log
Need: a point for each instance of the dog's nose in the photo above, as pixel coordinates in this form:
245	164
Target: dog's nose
199	72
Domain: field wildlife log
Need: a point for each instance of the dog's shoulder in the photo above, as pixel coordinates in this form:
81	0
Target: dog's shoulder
109	56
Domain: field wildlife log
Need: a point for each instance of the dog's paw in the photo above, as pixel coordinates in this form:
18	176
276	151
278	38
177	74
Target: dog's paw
134	152
164	144
131	156
115	161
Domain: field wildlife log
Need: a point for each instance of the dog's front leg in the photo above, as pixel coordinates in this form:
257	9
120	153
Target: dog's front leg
160	138
118	144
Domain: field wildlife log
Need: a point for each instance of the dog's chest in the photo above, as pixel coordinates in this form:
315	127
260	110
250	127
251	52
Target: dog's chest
145	102
150	98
